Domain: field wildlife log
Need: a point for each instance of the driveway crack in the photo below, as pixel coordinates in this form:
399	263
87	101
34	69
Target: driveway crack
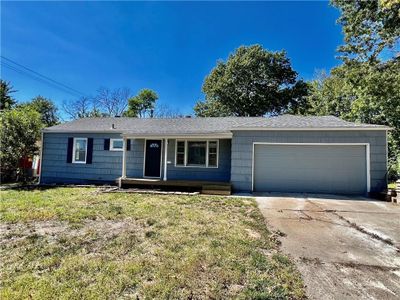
372	235
307	216
353	265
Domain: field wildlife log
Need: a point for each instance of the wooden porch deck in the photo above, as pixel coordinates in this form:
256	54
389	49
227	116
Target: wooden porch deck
205	187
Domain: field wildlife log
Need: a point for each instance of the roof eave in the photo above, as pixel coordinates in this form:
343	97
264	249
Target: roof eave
309	128
80	131
225	135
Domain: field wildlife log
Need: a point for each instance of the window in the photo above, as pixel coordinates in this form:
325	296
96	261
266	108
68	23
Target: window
197	154
116	145
212	153
180	153
80	150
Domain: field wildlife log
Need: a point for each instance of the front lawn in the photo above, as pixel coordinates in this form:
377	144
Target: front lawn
78	243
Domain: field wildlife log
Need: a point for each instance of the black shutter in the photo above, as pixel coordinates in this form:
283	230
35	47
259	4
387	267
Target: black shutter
106	144
69	149
89	154
128	145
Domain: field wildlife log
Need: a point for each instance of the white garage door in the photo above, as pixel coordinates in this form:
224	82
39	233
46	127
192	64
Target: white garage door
340	169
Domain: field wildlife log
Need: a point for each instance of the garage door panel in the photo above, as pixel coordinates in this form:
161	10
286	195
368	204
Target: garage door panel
310	168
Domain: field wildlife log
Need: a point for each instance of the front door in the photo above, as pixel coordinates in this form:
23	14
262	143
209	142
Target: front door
152	163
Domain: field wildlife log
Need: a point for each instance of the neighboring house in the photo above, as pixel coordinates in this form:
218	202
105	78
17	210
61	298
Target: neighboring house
278	154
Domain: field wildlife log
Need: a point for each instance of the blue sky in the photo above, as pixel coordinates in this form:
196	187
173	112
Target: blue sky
166	46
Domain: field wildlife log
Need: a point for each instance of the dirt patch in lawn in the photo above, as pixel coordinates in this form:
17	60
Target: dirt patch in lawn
77	243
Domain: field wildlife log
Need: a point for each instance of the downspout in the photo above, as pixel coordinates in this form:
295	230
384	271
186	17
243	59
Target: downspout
165	159
124	158
41	158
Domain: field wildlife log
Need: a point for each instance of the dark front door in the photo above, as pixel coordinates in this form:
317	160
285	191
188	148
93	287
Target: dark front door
152	164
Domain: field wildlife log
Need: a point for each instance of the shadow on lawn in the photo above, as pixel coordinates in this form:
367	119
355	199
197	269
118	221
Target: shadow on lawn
42	187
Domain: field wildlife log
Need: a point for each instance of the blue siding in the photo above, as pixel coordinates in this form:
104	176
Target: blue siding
107	165
135	159
235	157
242	149
222	173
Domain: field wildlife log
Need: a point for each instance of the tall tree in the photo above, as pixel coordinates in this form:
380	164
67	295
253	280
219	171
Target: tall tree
142	105
329	95
252	82
211	108
370	73
83	107
366	87
298	98
19	133
369	27
362	92
163	111
7	101
112	102
46	108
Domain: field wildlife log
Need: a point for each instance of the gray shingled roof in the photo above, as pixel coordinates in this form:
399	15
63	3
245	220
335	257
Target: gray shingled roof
199	126
292	121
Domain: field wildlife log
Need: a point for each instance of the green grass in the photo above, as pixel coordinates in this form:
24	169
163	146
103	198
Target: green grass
392	185
70	243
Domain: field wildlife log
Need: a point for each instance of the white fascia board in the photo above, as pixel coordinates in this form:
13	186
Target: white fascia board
81	131
310	129
146	135
178	136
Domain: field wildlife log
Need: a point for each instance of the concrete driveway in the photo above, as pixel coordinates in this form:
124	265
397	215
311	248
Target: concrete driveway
346	248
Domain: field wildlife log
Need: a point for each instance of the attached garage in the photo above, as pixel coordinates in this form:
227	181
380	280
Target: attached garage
309	154
314	168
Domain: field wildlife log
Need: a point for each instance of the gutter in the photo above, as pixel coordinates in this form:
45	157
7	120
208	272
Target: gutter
41	158
310	128
80	131
227	135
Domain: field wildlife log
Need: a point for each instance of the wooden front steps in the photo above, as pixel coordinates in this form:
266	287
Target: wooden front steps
205	187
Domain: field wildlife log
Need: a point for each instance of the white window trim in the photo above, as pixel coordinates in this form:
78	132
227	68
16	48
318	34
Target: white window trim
74	148
112	145
185	165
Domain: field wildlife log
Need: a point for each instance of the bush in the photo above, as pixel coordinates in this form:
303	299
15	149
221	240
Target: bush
19	135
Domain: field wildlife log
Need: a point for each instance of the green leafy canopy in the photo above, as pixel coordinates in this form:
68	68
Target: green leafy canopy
369	28
7	101
46	108
252	82
19	134
142	104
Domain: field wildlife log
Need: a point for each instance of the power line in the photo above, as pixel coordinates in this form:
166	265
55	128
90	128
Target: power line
39	76
22	72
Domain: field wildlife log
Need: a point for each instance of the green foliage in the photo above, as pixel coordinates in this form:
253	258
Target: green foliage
46	108
6	100
91	245
19	133
211	108
369	27
329	95
142	105
362	92
376	90
252	82
364	89
298	95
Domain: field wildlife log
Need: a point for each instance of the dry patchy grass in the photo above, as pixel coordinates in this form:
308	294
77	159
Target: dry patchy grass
70	243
